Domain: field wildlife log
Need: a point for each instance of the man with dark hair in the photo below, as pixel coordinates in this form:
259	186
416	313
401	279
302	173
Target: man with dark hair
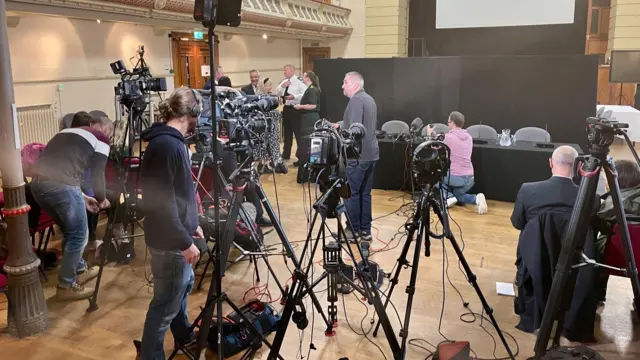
362	109
252	88
460	179
56	188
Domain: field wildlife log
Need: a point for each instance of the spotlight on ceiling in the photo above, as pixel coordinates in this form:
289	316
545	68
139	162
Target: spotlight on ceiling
265	36
98	21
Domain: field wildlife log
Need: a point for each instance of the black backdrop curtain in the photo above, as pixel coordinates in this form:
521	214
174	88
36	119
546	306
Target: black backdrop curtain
555	93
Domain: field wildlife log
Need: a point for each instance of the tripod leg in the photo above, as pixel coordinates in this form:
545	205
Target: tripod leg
402	261
411	288
444	220
93	300
573	243
623	228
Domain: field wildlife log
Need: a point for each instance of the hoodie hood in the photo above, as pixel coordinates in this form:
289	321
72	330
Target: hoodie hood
461	134
159	129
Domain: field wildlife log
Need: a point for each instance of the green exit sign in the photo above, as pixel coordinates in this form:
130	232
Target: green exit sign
198	35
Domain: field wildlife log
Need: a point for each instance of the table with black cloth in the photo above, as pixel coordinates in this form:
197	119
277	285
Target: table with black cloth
499	171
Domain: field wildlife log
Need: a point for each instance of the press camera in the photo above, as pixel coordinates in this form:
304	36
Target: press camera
330	147
243	119
430	162
136	83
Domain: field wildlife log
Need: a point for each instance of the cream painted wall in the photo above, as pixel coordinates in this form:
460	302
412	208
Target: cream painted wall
242	53
386	28
624	25
351	46
52	52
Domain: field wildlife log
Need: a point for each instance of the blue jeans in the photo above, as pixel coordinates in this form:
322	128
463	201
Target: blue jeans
457	186
360	177
172	282
65	205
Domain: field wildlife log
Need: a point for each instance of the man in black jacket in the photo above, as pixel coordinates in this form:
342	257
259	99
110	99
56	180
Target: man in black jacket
559	191
252	88
171	221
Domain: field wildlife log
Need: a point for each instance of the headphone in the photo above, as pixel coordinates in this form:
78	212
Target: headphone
197	109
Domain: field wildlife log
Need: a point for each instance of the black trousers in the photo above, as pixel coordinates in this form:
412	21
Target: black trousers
291	126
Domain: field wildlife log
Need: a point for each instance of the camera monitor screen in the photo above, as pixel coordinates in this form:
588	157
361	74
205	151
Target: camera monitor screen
625	67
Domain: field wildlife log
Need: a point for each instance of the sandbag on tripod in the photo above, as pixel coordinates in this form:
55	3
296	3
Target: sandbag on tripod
236	335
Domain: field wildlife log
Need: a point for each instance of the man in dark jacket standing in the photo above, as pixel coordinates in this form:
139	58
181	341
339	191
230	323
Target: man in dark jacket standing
171	221
361	109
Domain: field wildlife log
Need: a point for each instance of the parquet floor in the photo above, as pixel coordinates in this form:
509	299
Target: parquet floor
490	246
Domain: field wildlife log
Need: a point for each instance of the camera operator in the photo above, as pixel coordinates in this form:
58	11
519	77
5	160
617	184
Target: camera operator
171	221
460	178
56	188
361	109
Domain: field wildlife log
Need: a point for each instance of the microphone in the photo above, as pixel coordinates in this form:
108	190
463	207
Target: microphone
416	124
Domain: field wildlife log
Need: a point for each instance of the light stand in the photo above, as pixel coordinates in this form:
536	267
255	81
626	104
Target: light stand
601	133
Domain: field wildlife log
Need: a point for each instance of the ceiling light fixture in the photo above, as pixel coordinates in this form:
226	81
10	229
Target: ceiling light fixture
265	36
98	21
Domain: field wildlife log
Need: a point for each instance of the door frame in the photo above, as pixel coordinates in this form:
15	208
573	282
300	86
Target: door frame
176	38
306	51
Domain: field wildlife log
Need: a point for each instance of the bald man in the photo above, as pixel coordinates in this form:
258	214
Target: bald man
559	191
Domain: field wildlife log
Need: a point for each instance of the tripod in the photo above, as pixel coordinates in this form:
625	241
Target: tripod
125	166
430	199
600	133
329	206
216	297
206	160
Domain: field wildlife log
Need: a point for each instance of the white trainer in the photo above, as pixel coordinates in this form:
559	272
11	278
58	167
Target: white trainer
481	204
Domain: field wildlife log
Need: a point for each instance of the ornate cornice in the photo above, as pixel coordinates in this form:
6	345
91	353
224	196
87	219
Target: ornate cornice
302	18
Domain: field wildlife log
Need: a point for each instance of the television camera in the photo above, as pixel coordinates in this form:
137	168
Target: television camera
430	162
330	147
244	119
136	83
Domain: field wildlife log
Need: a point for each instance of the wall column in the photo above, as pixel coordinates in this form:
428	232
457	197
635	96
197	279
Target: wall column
386	28
624	25
27	313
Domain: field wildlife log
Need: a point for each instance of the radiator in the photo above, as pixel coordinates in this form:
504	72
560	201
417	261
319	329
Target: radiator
37	123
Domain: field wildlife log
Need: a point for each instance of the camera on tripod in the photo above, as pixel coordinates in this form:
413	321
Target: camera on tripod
329	147
136	83
601	131
430	162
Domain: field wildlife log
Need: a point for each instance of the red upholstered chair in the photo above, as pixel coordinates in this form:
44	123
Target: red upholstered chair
44	230
613	253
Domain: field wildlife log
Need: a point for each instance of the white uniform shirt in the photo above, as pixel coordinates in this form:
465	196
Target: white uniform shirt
297	89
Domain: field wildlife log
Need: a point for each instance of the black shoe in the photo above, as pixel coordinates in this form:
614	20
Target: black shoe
296	163
263	221
267	170
281	168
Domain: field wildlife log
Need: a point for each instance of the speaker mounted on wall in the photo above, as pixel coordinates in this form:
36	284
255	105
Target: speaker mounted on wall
625	66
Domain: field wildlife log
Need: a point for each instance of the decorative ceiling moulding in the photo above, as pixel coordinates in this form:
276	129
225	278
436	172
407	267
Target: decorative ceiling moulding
306	19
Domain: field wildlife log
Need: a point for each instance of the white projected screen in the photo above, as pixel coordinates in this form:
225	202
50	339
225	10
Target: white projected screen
452	14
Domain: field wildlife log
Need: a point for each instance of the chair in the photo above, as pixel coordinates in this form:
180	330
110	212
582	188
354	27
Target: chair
533	134
66	121
437	128
613	252
395	127
482	132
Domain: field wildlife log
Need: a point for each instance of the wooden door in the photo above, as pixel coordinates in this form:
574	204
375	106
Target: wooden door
188	57
311	54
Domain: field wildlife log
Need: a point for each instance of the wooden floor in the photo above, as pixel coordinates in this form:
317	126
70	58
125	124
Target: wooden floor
489	247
